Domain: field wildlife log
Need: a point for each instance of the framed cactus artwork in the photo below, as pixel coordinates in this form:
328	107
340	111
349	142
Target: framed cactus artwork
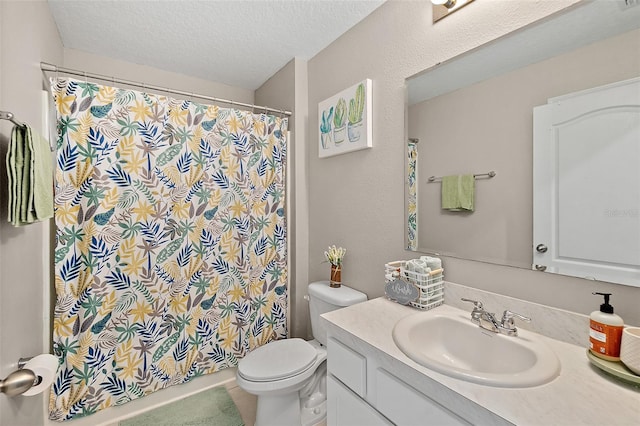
344	121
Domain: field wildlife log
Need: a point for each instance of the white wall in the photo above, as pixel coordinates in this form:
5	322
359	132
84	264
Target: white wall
28	36
357	199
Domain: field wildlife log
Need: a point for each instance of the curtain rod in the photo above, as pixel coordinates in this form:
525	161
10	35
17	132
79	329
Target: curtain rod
44	66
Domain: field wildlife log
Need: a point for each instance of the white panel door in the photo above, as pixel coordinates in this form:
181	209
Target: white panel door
587	184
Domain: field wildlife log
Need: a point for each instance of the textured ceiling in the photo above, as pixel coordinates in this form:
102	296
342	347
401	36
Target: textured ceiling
238	42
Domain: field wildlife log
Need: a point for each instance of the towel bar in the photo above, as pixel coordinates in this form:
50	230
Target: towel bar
488	175
6	115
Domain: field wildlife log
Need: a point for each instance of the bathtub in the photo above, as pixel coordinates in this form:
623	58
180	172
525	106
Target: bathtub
112	415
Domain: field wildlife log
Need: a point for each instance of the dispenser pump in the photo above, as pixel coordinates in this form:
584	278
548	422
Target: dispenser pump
605	307
605	331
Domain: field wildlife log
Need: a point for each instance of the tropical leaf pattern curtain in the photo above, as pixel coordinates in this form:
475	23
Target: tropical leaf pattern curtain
412	199
171	254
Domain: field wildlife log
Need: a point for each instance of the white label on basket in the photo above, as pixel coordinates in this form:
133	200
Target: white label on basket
401	291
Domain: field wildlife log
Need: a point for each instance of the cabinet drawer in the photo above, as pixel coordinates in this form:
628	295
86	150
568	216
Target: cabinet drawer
344	408
348	366
402	404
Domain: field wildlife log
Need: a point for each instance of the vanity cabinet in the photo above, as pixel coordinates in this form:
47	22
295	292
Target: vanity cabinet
371	381
360	391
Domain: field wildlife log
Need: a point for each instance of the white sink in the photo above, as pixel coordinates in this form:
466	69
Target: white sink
451	344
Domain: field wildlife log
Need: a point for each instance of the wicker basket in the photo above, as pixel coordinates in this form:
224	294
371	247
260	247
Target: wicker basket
430	286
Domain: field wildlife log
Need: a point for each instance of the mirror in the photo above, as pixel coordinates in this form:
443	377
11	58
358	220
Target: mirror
474	114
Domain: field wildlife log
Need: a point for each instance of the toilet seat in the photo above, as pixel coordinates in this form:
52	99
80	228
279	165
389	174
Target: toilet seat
289	377
278	360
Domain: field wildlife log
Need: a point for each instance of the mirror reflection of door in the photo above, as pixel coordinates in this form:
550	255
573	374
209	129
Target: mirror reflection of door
587	184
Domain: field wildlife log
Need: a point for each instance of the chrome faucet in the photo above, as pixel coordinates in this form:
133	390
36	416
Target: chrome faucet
488	321
484	319
507	325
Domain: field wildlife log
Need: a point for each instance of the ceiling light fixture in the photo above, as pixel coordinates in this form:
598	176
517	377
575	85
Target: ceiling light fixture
446	3
442	8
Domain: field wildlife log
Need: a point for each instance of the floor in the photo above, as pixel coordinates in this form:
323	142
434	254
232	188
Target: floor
245	402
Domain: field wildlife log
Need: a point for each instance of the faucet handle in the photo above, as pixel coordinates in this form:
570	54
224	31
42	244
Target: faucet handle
508	316
476	304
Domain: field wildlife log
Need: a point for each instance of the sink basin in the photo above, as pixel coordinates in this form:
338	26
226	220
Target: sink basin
451	344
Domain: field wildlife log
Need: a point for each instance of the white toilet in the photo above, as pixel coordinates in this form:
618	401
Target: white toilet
289	376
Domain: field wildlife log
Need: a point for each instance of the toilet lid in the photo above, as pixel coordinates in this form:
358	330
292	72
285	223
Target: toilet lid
277	360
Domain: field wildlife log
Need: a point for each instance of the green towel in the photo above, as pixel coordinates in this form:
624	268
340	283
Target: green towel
30	177
14	160
16	176
458	193
41	176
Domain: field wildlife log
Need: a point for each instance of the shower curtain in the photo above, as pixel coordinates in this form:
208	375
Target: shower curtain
171	254
412	199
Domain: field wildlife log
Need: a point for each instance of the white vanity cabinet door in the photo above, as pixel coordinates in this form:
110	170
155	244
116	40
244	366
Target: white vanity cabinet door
348	366
344	408
405	406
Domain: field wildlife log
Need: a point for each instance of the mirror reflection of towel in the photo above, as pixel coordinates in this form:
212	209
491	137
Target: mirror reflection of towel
458	193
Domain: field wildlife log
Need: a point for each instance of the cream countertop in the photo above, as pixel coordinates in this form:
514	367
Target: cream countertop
581	395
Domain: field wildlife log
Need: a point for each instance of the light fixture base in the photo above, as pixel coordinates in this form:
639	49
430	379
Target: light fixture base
446	8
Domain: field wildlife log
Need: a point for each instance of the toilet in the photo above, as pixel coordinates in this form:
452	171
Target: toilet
289	376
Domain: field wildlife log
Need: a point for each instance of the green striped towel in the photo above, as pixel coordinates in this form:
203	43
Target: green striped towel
30	177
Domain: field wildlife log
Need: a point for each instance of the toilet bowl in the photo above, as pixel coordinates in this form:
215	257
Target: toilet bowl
289	376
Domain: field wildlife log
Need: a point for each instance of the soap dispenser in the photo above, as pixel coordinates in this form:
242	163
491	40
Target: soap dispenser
605	333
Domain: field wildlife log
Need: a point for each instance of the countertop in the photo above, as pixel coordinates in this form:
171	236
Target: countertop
581	395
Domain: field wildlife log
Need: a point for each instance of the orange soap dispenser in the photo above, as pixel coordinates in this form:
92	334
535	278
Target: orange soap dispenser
605	331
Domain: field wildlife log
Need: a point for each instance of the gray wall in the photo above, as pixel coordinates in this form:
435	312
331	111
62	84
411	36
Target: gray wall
79	60
357	199
287	89
28	36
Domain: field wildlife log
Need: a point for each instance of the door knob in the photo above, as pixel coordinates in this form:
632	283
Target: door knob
540	268
541	248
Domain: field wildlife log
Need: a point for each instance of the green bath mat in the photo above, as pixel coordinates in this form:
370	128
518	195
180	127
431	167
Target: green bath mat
208	408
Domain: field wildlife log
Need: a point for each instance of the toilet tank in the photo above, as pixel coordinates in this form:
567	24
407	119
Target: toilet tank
323	298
